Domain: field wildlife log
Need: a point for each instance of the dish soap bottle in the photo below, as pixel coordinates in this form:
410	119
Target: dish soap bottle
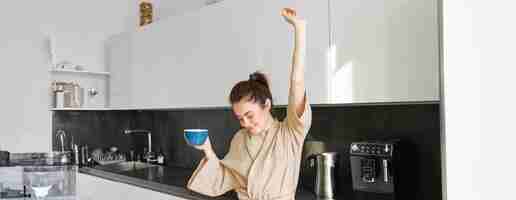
161	157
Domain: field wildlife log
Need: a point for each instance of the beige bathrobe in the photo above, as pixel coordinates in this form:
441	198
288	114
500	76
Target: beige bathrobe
263	170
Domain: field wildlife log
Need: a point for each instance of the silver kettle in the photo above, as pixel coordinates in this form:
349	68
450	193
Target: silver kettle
324	164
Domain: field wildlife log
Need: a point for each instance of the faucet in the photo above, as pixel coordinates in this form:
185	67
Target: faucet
149	153
61	134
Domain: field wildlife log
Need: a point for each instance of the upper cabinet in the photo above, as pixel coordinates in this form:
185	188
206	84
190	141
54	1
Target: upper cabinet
189	60
384	51
356	52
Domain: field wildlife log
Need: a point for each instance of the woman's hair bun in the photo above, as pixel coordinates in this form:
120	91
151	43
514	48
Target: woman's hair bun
253	77
256	89
260	78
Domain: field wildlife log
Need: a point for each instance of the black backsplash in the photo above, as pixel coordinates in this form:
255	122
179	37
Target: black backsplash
416	124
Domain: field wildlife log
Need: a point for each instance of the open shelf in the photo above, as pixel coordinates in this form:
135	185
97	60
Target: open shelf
80	109
71	71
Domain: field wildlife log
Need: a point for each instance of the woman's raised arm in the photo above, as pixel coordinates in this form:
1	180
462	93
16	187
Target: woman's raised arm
297	77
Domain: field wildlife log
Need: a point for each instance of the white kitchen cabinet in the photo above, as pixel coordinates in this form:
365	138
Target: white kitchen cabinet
118	59
357	51
95	188
384	51
193	60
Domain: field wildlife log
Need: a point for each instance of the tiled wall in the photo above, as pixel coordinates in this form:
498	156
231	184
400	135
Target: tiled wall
416	124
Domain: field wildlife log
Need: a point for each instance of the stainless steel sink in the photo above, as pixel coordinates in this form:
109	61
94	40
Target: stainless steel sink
126	166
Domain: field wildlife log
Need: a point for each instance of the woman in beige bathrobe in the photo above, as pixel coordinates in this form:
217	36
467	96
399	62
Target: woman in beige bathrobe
264	156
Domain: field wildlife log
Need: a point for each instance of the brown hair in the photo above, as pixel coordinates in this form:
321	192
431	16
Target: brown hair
256	88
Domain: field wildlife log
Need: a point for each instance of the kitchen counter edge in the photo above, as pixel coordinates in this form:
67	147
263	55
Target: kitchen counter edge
155	186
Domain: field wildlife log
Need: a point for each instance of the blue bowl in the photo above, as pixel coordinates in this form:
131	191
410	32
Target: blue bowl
196	136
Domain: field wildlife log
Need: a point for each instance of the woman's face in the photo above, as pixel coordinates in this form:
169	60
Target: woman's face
251	115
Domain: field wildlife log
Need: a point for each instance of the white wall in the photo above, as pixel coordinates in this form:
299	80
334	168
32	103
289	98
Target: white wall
479	98
25	59
23	80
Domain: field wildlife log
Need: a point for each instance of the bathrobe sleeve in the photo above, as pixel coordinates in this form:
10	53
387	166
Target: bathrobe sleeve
299	125
213	177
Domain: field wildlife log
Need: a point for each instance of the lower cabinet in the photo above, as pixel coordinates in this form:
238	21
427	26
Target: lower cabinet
95	188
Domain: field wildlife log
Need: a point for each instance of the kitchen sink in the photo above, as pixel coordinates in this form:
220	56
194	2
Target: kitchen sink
126	166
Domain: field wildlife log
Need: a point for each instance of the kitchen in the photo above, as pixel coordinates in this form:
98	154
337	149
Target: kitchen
27	37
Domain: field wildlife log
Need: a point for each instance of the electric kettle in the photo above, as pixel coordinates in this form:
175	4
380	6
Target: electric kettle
324	164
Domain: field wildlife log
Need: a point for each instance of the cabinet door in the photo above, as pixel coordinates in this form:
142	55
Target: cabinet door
94	188
384	51
194	59
118	58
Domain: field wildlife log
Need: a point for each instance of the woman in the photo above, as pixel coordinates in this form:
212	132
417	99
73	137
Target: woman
264	156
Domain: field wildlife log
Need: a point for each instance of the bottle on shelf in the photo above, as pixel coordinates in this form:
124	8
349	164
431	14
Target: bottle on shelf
66	94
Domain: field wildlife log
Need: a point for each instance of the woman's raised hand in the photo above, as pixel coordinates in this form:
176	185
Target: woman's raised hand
290	15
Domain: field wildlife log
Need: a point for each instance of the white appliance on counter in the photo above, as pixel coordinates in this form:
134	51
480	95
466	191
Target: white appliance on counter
38	181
